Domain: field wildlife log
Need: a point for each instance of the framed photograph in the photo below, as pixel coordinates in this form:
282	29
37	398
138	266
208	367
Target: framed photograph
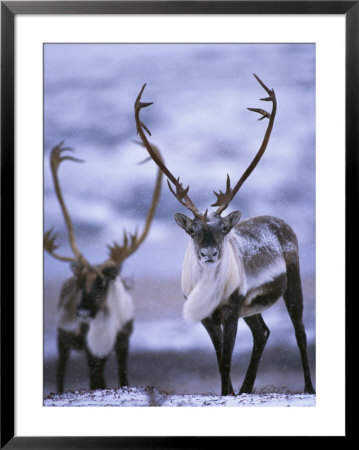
95	87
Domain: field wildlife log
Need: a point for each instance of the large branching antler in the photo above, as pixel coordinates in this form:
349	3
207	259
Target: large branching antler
131	242
178	191
50	238
224	199
118	253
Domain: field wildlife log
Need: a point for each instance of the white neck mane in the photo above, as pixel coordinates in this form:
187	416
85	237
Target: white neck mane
117	310
206	287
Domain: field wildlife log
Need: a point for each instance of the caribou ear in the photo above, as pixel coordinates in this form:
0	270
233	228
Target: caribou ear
183	221
232	219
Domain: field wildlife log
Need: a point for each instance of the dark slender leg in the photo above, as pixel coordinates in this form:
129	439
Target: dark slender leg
230	325
260	334
214	329
64	347
97	367
121	348
293	299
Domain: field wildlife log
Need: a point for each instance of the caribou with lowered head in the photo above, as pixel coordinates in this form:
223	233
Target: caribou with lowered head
95	310
234	268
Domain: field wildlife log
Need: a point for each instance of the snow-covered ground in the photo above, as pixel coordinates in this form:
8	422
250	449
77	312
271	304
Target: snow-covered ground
147	396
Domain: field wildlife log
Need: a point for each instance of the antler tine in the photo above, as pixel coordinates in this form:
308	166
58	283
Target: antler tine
49	238
180	193
50	246
118	253
224	199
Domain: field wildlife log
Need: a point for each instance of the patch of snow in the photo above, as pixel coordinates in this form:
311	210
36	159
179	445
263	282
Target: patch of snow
149	396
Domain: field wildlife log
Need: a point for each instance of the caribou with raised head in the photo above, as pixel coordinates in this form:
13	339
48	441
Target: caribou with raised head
95	310
234	268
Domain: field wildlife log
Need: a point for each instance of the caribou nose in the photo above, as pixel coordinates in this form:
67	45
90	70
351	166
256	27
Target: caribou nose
83	314
209	252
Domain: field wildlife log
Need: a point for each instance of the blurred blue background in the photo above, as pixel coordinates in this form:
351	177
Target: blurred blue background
201	124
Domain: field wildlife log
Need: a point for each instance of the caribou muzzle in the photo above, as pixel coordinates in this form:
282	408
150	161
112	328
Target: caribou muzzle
209	255
84	315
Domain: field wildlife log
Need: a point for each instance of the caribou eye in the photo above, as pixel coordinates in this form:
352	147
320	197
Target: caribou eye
191	230
102	281
224	229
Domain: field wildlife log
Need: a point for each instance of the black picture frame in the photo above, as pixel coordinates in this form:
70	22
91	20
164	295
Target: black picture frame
9	10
